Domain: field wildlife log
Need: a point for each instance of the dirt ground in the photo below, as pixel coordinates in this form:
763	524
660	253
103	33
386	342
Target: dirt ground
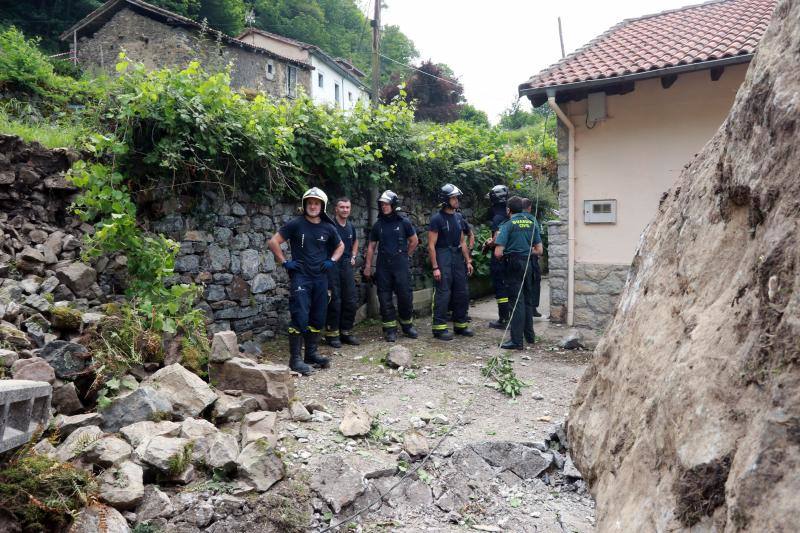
445	379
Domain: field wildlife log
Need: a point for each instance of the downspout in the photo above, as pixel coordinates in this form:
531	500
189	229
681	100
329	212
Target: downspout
551	101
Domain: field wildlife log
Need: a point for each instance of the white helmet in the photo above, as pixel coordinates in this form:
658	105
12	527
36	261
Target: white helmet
319	194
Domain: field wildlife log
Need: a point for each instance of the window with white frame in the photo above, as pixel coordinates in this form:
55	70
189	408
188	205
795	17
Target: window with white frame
336	92
291	81
350	96
320	80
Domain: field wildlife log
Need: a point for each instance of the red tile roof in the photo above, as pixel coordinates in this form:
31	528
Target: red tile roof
691	35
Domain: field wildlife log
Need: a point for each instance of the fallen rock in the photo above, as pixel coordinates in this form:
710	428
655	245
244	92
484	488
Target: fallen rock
121	486
13	337
107	451
155	504
415	443
229	408
8	357
336	482
138	433
298	411
525	461
65	399
33	369
399	356
77	443
197	428
67	358
79	277
259	466
142	404
572	341
99	518
222	451
67	424
271	383
570	470
224	347
188	394
356	422
170	455
259	426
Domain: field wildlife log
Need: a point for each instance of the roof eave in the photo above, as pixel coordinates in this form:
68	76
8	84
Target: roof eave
542	93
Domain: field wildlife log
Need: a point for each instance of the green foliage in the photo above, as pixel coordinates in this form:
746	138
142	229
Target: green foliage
65	318
481	262
470	113
40	493
515	117
60	134
178	463
500	369
46	18
224	15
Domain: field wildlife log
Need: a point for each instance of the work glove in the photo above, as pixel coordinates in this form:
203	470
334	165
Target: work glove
328	264
291	265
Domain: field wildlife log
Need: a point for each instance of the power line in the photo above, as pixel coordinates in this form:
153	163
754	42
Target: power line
451	82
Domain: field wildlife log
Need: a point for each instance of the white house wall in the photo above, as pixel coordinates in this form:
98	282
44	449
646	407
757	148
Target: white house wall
327	93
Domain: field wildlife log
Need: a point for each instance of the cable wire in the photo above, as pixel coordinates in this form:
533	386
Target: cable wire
451	82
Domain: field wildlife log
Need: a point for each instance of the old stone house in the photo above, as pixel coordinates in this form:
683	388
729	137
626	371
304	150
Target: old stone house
335	81
159	38
634	106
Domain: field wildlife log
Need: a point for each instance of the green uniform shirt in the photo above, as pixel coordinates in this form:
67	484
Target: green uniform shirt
518	234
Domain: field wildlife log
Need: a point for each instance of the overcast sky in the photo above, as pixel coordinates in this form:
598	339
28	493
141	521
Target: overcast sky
495	45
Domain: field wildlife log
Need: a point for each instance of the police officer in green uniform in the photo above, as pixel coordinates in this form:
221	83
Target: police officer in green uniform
316	246
516	240
451	263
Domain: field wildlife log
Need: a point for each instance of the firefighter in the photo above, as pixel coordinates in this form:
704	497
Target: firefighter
315	248
395	239
516	240
451	264
342	284
498	196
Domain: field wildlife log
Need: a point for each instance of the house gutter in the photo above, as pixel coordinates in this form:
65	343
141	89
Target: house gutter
551	101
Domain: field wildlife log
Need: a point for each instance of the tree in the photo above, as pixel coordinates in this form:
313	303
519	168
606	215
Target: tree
401	50
470	113
515	117
224	15
46	19
438	95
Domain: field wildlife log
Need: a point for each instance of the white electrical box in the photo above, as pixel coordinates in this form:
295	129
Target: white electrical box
600	211
596	107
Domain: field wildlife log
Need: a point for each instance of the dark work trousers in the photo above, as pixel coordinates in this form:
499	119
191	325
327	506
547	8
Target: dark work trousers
497	270
343	304
308	301
517	277
393	277
451	286
537	280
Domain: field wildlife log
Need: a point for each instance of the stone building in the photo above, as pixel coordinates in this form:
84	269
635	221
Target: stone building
159	38
634	106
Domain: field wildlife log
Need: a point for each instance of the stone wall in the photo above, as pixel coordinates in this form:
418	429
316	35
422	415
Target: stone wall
557	248
597	290
223	247
158	45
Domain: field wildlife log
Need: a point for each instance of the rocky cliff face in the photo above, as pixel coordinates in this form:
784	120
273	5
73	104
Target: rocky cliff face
690	411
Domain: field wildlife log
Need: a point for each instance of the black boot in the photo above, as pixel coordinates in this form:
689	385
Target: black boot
295	360
390	334
312	357
467	332
498	324
511	345
333	341
443	334
348	338
410	331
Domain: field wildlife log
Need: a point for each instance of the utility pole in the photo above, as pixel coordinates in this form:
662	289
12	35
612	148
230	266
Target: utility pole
372	294
561	38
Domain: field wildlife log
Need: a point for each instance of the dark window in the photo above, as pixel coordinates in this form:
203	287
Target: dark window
320	80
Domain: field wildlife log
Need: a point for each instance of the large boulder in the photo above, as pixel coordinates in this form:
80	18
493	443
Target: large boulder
689	413
107	451
224	346
142	404
188	394
167	454
140	432
33	369
336	482
259	425
155	504
77	443
271	383
98	518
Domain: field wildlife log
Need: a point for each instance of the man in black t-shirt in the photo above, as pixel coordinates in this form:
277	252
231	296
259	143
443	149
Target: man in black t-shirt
451	263
315	246
344	303
395	239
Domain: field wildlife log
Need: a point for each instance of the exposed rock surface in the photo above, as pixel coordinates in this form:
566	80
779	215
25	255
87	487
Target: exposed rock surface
690	411
188	394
